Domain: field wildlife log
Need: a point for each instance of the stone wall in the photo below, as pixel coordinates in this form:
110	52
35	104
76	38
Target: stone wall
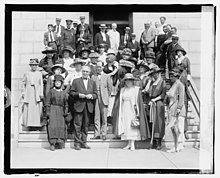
188	28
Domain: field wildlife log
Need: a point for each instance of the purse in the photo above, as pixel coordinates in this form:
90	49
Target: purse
135	123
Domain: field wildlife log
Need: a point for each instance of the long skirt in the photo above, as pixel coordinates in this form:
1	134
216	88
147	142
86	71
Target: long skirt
32	111
56	126
127	115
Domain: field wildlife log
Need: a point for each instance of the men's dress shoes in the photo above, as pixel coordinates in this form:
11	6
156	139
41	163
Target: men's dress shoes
85	146
52	148
77	147
96	137
104	138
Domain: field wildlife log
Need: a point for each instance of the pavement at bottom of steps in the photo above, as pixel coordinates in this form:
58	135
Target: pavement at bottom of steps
104	157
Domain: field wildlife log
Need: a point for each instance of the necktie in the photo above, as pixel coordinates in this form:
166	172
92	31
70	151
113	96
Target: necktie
51	37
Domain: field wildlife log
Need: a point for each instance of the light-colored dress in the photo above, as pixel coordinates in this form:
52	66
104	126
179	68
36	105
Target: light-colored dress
127	115
32	90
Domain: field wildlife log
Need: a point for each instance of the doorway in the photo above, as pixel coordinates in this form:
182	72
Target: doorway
122	19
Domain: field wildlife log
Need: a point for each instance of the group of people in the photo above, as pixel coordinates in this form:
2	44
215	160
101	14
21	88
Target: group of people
116	79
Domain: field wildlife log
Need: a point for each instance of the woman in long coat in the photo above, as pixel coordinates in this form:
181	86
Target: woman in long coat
57	109
157	92
131	106
32	93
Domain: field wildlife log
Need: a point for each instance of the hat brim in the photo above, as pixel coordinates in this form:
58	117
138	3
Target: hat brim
183	51
78	62
48	51
55	67
87	50
102	27
129	78
67	50
153	72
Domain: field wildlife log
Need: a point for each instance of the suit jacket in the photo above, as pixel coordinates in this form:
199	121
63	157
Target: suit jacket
78	87
135	46
87	28
105	86
68	38
46	38
122	40
149	36
99	40
62	29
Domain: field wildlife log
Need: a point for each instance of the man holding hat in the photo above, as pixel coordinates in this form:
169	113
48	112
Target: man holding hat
50	38
83	39
102	38
126	37
68	37
134	46
171	51
83	24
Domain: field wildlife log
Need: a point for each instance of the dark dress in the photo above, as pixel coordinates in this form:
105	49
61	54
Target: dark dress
158	126
57	108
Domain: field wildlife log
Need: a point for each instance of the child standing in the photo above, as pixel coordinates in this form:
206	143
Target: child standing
57	110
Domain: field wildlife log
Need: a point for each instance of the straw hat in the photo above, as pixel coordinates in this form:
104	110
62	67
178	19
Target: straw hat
59	65
129	76
181	49
84	49
102	26
125	63
110	51
144	64
68	48
34	61
77	61
175	72
154	69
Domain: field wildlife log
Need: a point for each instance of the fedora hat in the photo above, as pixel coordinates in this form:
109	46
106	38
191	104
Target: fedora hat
58	65
68	48
129	76
94	55
175	36
110	51
144	64
181	49
33	61
125	63
58	19
84	49
58	78
77	61
49	49
154	69
150	54
102	26
133	34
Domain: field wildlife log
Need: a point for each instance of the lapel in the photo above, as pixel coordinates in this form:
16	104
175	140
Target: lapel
89	85
103	78
82	84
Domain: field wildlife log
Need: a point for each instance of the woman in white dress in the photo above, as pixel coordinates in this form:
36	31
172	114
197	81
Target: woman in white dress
131	105
32	94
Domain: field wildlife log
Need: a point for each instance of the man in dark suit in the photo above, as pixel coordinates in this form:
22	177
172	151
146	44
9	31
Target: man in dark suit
134	46
84	92
83	24
126	37
59	30
102	38
83	39
68	37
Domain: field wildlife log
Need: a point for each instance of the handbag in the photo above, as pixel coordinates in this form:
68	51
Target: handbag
135	123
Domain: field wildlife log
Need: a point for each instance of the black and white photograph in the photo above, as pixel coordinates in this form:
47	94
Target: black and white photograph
109	88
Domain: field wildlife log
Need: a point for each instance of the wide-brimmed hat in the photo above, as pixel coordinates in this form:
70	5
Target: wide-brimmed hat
94	55
175	72
175	36
127	28
77	61
102	26
126	63
126	51
181	49
154	69
133	59
110	51
58	78
49	49
150	54
129	76
144	64
33	61
68	48
58	65
84	49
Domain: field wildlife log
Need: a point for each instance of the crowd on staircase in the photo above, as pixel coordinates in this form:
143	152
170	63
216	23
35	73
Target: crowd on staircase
118	80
